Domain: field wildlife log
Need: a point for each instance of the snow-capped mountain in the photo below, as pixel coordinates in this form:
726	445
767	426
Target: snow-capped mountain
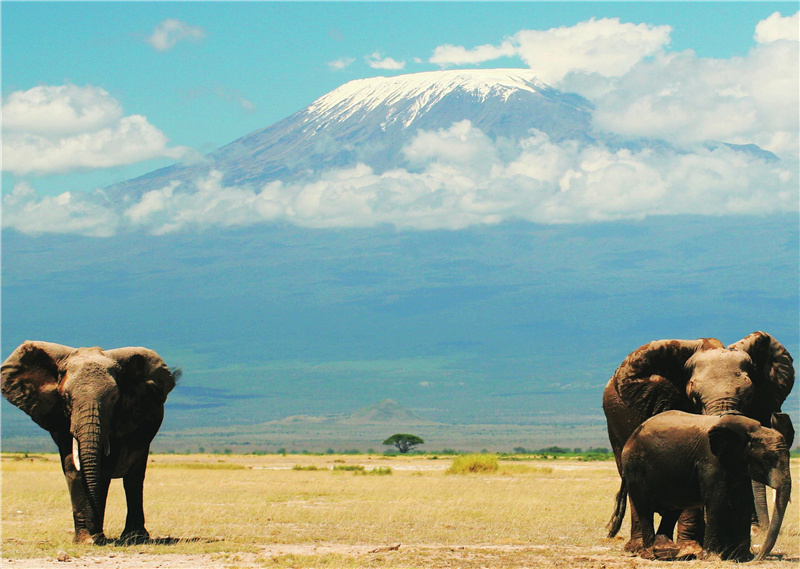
371	120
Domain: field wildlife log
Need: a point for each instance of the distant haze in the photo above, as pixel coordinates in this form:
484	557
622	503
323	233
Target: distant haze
475	245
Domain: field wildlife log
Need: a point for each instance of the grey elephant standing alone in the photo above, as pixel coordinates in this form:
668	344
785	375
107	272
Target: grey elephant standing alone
677	460
102	409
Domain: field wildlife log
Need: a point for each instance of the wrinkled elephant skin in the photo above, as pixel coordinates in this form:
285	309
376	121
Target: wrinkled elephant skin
102	409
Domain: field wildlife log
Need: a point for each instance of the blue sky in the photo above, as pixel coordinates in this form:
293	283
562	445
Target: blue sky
227	69
95	93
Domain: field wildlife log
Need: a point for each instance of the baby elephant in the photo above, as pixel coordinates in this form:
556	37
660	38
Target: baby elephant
676	461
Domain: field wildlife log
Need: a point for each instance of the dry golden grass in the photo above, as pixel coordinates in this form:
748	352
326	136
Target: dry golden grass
251	511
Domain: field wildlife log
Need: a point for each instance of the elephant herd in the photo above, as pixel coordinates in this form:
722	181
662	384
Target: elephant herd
697	432
696	429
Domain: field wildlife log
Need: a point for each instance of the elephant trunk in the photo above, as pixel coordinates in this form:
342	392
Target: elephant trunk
782	482
87	451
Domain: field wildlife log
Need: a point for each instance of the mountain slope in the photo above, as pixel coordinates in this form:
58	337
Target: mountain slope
387	412
370	120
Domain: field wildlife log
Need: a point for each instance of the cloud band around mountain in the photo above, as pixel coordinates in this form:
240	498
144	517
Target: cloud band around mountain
457	177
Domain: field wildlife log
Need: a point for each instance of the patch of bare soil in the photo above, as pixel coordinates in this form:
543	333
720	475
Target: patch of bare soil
430	556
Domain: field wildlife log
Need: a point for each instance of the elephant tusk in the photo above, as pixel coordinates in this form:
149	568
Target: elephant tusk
75	458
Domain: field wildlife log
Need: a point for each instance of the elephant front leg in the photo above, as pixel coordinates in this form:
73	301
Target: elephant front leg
133	482
691	530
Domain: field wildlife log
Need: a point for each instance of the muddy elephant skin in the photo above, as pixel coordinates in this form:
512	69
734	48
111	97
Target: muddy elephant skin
752	377
676	461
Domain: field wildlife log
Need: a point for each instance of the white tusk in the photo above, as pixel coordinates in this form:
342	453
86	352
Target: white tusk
75	458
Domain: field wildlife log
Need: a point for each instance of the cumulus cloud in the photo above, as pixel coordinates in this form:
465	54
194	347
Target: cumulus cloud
777	27
458	177
606	47
169	32
340	64
451	55
50	129
377	61
685	99
68	212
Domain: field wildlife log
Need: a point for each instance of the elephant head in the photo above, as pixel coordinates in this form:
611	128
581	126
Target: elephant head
95	397
741	443
752	376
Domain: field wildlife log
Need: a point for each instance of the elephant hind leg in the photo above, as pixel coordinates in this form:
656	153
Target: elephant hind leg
664	547
691	533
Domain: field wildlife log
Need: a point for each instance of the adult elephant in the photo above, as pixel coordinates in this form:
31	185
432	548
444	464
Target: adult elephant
102	408
752	377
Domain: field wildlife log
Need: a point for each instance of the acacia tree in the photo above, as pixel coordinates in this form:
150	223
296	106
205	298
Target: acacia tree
403	441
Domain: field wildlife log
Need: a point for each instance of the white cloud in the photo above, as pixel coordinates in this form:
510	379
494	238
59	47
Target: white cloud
449	55
76	213
340	64
51	129
687	100
606	47
460	177
776	28
377	61
169	32
60	110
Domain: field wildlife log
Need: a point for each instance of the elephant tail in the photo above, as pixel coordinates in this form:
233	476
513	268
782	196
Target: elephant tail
619	510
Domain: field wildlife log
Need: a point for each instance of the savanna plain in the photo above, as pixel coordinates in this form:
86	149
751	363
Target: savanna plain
352	511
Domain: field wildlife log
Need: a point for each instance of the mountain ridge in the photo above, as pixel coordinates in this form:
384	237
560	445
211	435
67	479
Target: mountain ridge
370	121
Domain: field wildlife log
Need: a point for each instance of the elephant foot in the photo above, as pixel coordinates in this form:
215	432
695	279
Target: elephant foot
664	548
689	549
706	555
83	536
647	553
634	545
134	537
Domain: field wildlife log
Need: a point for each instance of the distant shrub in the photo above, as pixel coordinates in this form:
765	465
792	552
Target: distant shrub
377	471
553	450
307	468
474	464
348	468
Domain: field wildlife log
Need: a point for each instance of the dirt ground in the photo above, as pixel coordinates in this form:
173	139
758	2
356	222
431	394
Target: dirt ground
391	555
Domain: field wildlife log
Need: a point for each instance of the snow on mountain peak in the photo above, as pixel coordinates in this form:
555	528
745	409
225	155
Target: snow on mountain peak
417	91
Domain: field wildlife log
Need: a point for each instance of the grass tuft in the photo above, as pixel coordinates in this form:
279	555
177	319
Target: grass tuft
378	471
474	464
349	468
197	465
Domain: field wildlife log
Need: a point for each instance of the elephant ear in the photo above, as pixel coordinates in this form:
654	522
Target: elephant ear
773	374
29	379
782	423
653	378
728	443
143	374
144	382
